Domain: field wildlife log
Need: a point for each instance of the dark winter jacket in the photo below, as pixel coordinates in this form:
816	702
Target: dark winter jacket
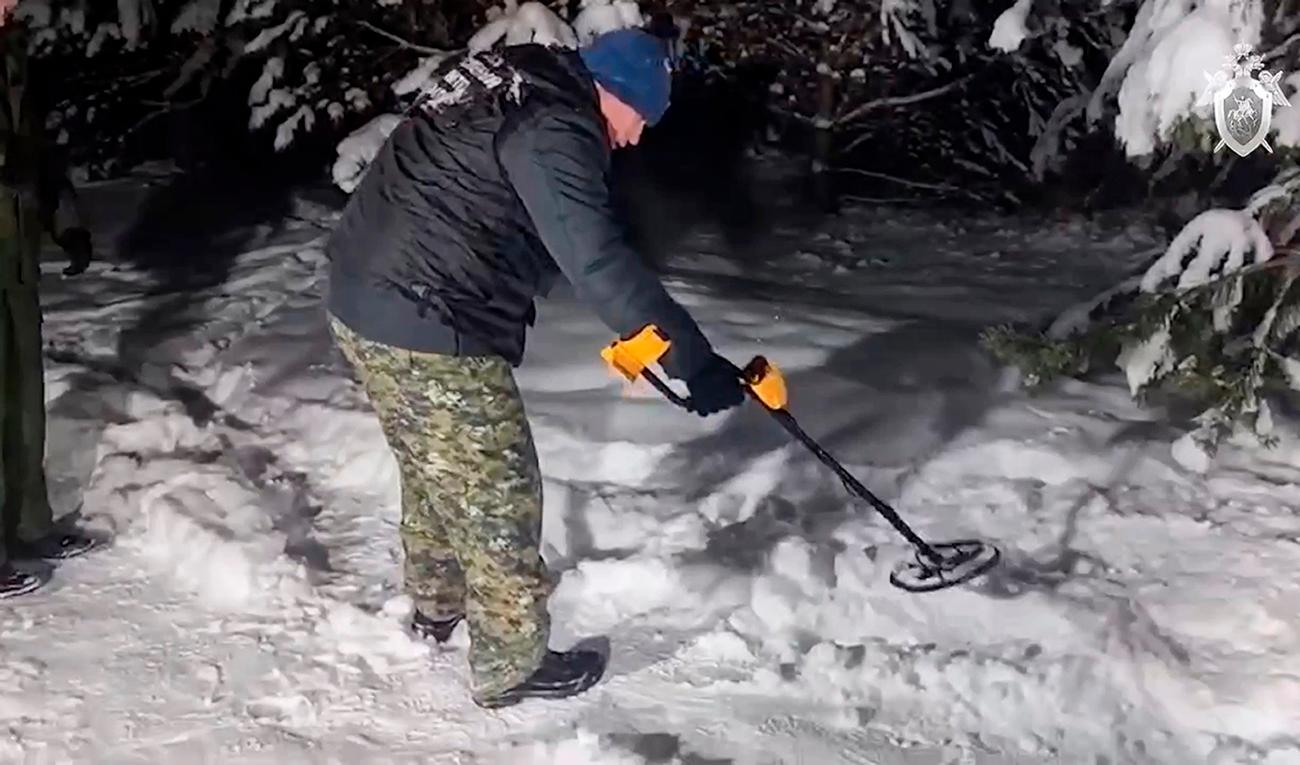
20	237
36	196
495	185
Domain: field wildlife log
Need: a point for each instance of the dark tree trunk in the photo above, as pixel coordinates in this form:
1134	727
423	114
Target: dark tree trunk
823	180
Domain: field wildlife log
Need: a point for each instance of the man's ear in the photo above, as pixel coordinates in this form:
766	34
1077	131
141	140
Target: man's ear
601	96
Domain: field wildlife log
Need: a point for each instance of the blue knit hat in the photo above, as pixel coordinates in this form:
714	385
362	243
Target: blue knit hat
632	64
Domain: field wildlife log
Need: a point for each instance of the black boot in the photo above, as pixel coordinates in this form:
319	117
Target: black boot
438	629
14	582
57	545
560	676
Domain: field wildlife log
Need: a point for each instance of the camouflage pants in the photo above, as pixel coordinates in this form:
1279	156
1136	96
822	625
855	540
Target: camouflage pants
24	503
471	498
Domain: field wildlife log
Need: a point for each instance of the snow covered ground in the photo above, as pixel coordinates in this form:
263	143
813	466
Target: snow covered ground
249	612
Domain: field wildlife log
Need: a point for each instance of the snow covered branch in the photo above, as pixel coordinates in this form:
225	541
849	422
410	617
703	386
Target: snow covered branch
1213	319
399	40
858	112
1283	48
902	181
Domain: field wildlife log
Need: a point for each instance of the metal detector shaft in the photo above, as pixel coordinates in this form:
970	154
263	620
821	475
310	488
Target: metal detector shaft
663	388
854	486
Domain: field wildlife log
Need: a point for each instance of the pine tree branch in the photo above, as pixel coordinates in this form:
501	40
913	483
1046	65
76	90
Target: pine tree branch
1047	143
879	200
399	40
896	179
1281	48
1290	259
791	115
856	142
161	108
791	49
883	103
172	105
136	79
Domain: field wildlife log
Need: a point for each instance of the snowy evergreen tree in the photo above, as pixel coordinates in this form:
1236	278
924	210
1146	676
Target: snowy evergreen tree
304	65
905	94
1213	320
307	67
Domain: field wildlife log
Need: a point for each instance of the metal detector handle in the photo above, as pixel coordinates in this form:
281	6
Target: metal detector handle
685	402
631	357
764	383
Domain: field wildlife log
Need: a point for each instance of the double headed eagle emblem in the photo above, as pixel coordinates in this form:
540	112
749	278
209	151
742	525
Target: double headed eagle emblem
1243	104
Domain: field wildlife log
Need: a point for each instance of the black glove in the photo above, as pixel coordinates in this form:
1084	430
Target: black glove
76	243
715	388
